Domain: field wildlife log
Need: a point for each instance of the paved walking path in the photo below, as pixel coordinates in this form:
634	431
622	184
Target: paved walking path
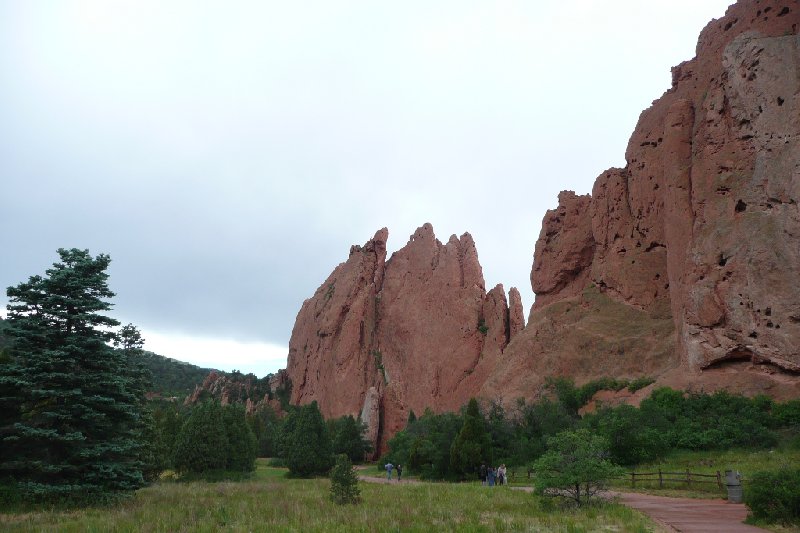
689	515
686	515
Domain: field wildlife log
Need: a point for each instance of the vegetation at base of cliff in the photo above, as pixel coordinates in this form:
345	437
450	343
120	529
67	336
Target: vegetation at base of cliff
270	501
666	421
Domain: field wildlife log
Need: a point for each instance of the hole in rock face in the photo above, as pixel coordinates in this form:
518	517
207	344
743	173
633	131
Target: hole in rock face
722	260
768	311
753	335
784	11
740	206
780	101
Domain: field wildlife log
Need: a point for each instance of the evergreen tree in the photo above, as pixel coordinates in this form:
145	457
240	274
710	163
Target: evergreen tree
473	444
73	433
307	443
348	438
202	444
242	444
344	482
131	343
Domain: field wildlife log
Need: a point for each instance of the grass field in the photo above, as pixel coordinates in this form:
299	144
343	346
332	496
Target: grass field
272	502
747	462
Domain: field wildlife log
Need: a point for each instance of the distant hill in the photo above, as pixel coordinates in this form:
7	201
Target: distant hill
172	377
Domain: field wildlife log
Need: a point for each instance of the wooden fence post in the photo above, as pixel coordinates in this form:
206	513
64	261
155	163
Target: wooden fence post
633	479
719	480
660	480
688	479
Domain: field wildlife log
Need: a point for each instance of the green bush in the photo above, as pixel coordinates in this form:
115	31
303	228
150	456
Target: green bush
576	466
774	497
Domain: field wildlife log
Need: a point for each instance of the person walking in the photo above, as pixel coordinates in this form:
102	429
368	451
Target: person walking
482	473
388	468
491	476
399	469
501	475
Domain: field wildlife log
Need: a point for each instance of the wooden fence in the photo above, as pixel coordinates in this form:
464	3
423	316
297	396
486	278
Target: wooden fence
686	477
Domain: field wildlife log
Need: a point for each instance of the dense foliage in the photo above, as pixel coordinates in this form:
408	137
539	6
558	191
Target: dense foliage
305	442
348	438
472	446
665	421
344	482
73	425
774	497
215	438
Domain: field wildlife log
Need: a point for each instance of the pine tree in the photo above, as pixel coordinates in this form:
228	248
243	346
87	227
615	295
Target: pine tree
308	444
131	343
473	443
348	438
202	444
74	434
242	444
344	482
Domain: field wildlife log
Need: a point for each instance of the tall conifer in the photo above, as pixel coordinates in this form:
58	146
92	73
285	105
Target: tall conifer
74	434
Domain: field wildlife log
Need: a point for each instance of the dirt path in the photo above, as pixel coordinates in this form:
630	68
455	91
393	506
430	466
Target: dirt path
685	515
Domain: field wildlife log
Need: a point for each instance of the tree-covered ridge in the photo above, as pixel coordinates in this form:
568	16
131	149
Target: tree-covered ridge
172	377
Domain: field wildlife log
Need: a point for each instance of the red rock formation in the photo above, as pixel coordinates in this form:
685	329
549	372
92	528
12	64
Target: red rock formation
682	266
240	389
704	218
405	334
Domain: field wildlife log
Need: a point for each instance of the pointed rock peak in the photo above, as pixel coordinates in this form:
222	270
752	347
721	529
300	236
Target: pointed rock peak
467	240
423	232
382	235
499	289
375	244
516	315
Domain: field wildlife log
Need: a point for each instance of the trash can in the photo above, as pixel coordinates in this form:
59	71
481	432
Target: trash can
733	481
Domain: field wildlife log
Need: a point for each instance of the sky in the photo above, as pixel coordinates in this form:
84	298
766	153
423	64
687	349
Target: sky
227	154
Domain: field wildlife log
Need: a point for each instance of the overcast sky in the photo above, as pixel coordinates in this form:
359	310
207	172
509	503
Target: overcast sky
227	154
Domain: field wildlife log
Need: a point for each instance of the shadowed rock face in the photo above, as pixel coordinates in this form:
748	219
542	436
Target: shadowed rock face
381	338
683	266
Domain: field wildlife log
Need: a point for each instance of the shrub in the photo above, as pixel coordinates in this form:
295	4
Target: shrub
774	497
344	482
576	465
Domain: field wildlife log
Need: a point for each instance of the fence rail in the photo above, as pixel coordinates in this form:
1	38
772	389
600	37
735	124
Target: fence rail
676	477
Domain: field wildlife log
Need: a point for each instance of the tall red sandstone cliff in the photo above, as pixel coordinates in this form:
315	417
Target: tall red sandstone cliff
683	266
381	338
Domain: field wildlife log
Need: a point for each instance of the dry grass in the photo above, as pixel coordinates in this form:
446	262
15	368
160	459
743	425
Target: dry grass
271	502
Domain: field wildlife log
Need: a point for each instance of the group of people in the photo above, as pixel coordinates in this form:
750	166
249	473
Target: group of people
398	468
492	476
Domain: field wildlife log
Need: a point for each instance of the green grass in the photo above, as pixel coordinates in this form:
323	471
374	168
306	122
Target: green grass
746	462
272	502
